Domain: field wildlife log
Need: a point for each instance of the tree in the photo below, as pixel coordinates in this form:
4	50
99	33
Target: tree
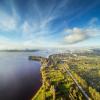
53	92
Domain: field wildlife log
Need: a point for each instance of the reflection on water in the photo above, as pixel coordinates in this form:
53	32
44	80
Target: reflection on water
19	77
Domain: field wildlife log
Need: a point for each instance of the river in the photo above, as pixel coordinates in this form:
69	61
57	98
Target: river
20	78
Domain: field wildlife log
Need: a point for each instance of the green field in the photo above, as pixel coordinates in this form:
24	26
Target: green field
58	84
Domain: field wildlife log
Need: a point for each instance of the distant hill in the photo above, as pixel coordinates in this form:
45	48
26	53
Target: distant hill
19	50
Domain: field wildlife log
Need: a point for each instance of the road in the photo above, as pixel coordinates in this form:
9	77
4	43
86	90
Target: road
75	81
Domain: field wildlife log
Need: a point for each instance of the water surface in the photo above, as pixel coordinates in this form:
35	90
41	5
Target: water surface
20	78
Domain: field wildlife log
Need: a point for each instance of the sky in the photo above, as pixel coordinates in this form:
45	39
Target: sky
30	24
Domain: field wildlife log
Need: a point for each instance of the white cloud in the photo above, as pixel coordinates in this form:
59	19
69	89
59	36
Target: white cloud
6	43
46	21
76	34
80	34
26	28
7	22
36	29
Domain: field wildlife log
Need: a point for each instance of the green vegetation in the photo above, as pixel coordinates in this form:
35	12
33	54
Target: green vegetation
71	77
87	72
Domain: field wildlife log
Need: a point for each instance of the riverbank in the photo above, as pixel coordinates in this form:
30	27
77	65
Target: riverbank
52	81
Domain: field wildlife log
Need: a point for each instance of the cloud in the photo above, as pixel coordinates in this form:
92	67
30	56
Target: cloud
93	21
26	28
80	34
41	25
8	22
76	35
36	29
6	43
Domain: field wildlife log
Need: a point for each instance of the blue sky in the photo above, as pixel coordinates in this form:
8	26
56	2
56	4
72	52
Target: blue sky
49	23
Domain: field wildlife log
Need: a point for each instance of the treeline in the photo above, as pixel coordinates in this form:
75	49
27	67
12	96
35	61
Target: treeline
90	90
